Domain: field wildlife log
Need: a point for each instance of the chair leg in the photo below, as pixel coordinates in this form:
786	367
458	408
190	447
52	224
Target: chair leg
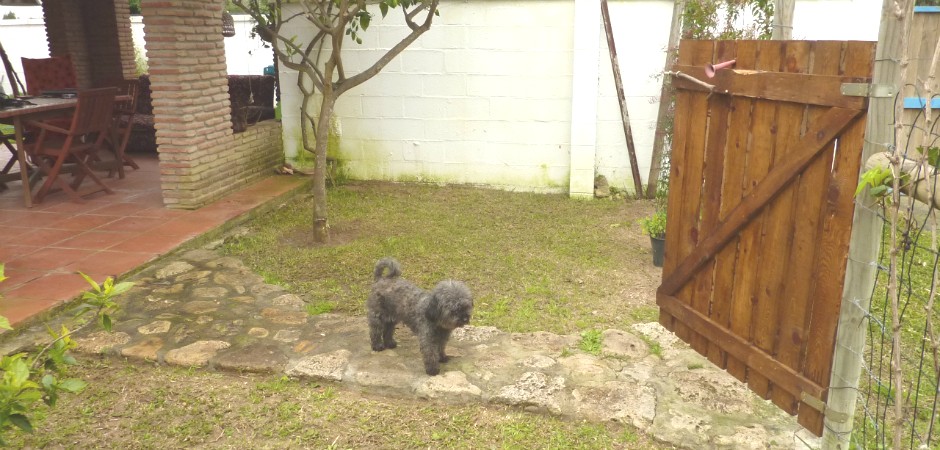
86	171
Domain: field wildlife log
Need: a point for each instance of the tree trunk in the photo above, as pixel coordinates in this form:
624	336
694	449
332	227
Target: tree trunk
321	229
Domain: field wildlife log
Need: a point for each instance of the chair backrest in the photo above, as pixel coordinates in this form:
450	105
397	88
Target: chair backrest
93	112
129	89
45	74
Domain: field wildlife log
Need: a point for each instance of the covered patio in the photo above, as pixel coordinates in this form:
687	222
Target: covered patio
202	177
200	157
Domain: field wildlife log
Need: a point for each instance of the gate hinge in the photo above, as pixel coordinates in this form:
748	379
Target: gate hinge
868	90
819	405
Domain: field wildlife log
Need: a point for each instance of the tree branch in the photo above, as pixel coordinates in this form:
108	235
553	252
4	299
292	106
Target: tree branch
377	67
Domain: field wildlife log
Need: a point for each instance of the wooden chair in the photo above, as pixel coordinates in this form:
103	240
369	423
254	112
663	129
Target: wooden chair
46	74
55	146
122	123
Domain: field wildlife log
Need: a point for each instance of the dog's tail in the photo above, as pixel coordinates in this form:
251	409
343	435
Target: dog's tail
387	268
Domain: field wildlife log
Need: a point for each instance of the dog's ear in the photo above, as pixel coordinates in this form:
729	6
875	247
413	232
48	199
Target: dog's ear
433	311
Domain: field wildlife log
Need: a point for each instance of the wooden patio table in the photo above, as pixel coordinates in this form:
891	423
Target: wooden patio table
41	108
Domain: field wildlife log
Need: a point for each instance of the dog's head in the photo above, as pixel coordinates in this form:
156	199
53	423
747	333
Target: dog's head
451	305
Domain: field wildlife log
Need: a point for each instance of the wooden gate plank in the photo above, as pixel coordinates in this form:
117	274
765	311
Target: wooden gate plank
731	192
677	165
775	235
688	200
718	118
793	303
836	226
760	152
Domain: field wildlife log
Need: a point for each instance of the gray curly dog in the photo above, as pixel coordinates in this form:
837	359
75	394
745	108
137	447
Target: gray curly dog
431	315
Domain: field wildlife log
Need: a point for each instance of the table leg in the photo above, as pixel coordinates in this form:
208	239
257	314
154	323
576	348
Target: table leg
21	155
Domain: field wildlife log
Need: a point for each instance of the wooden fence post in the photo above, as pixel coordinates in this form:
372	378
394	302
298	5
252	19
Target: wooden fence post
861	267
665	100
783	20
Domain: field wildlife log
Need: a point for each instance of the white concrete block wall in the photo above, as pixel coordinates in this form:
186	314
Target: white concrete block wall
483	97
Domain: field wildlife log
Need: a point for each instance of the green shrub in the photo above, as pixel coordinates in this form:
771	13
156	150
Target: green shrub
655	224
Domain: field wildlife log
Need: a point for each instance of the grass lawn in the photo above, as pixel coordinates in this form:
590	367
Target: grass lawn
534	262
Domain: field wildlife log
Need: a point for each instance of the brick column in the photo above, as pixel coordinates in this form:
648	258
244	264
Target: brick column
97	35
65	32
190	99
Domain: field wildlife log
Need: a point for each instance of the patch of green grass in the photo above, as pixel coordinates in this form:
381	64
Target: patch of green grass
655	347
591	342
694	366
645	314
318	308
208	410
533	261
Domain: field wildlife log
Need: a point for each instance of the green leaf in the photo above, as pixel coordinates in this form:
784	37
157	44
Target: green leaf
122	287
384	8
91	282
48	382
878	190
5	323
2	277
106	322
18	373
364	20
22	422
29	396
72	385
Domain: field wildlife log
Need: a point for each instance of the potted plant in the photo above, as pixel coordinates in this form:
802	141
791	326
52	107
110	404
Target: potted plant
654	225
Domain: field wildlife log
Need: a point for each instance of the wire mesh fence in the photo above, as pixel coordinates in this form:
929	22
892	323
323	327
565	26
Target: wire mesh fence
897	403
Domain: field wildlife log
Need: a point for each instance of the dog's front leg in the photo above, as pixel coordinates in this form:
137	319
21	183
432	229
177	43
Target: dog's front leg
443	335
430	355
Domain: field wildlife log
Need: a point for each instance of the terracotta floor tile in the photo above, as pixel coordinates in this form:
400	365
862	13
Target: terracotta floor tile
19	310
42	219
45	236
185	227
9	252
85	222
57	287
95	240
110	263
17	277
147	243
9	233
49	258
135	224
120	209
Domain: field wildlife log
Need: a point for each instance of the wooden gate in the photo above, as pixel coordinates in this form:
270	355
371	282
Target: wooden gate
764	168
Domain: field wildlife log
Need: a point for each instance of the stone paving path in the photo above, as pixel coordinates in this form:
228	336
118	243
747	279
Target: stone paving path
199	309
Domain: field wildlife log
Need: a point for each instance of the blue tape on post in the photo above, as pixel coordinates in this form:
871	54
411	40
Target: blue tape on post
918	103
927	9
